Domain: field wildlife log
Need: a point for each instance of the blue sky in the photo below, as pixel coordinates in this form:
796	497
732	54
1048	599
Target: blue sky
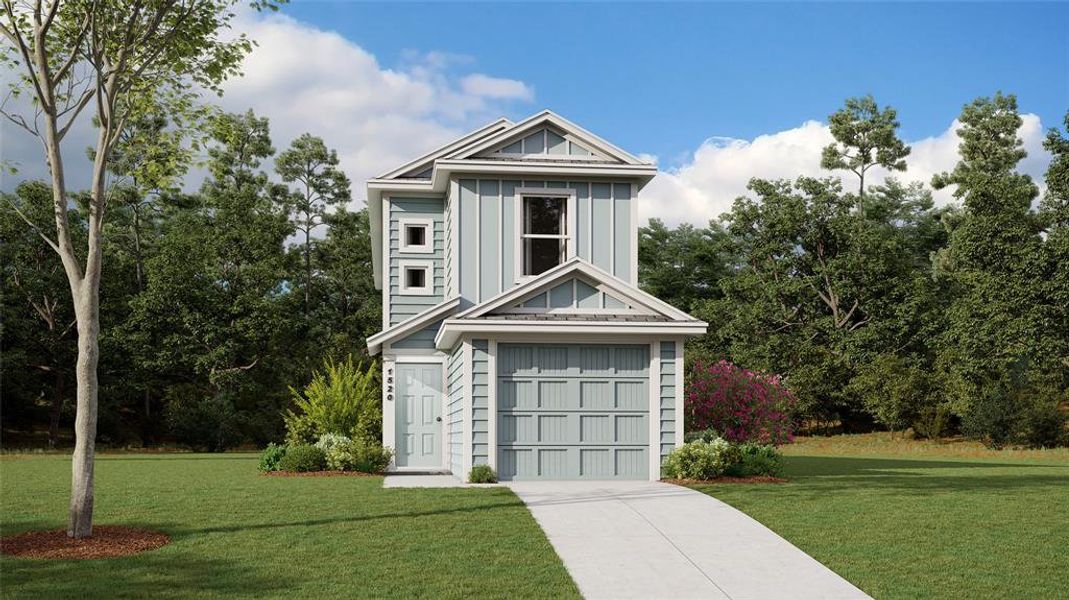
661	78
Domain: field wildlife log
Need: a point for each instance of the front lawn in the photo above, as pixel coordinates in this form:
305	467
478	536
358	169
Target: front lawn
237	534
899	521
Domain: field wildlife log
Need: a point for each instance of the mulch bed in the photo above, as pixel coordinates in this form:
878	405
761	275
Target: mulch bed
759	479
108	541
318	474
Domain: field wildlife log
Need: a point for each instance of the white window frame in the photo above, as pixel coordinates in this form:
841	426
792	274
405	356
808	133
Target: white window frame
426	290
404	246
570	220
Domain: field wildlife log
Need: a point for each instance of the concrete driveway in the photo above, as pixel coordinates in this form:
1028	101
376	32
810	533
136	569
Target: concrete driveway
656	540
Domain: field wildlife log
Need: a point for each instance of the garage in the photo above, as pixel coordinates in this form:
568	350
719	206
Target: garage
573	411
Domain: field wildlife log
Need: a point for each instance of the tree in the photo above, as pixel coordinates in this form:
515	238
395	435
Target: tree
993	261
350	309
321	185
682	265
1054	218
126	58
865	137
216	308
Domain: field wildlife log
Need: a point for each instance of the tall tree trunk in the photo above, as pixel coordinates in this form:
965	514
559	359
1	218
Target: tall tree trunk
307	268
85	423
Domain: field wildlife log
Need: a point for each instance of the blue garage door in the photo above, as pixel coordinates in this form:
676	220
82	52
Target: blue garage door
573	411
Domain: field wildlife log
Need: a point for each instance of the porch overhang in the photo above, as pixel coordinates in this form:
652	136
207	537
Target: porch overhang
453	330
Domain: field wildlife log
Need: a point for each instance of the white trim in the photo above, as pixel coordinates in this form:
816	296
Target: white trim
619	288
478	240
500	236
453	328
679	394
654	389
402	277
454	234
391	415
445	413
527	126
590	221
411	325
388	208
491	404
453	146
419	359
402	235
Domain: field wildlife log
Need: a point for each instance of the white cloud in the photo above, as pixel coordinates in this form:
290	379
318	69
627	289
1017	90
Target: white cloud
706	185
478	84
306	79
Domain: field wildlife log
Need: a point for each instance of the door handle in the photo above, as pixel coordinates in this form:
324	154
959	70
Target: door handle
439	419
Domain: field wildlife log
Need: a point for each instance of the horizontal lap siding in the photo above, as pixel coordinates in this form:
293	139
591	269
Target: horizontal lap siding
404	307
422	339
455	408
668	399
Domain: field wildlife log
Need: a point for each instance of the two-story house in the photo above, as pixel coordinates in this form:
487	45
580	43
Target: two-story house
514	333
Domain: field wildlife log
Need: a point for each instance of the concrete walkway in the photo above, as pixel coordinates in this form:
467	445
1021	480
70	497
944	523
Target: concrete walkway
655	540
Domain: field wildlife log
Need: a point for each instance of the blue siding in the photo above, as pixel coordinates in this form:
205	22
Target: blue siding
404	307
601	235
490	226
455	409
467	234
624	232
480	406
422	339
669	421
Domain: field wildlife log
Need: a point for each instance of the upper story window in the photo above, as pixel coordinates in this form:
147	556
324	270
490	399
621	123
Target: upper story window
544	233
417	235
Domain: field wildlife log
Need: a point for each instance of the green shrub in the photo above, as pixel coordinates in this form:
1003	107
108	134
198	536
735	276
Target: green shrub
1043	426
328	441
341	398
759	461
701	460
351	455
303	458
705	435
895	391
482	474
271	457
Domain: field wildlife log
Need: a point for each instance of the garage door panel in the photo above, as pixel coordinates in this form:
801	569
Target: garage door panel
578	411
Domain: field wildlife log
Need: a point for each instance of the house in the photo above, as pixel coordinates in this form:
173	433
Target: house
514	333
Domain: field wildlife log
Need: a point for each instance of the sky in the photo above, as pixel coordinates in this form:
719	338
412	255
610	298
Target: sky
715	93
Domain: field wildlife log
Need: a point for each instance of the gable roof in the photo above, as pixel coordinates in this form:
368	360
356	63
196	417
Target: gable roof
539	121
406	328
429	174
650	315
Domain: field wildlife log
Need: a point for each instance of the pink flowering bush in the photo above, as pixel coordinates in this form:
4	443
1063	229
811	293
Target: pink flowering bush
739	404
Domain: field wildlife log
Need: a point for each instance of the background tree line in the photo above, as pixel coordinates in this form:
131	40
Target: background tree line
880	309
213	303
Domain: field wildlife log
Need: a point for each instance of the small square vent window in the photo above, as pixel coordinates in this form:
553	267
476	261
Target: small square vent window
416	278
416	236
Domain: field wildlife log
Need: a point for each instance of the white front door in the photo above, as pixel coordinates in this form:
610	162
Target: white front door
419	415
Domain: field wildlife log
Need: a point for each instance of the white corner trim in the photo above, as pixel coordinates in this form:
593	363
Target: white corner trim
634	235
428	280
655	410
428	237
491	404
466	401
680	420
387	208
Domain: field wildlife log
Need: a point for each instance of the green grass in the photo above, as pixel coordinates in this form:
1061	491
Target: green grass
921	526
238	534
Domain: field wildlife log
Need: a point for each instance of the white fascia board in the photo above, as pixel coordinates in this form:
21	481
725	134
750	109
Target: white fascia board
454	146
452	329
514	293
542	118
576	170
419	321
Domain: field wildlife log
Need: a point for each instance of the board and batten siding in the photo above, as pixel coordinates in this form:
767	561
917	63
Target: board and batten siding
486	211
406	306
480	404
455	408
668	399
